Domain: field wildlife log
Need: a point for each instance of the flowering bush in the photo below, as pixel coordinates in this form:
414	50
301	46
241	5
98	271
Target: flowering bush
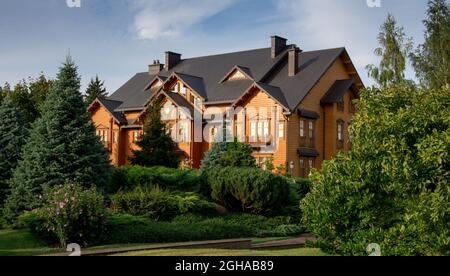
70	214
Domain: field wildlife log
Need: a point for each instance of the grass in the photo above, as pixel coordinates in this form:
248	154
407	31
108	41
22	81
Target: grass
225	253
22	243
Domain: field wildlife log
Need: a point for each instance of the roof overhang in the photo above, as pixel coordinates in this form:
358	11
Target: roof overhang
97	101
178	77
241	69
249	90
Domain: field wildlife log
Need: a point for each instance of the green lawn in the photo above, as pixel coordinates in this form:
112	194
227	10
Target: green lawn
226	252
21	243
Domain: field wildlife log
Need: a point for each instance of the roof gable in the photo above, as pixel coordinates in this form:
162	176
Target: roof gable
238	73
337	91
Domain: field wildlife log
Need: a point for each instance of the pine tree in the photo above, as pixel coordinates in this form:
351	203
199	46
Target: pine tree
62	147
157	147
431	59
393	50
95	90
39	89
12	138
20	96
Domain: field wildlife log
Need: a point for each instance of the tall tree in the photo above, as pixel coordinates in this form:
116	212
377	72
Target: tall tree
62	147
12	138
156	147
21	98
39	89
393	50
95	90
431	59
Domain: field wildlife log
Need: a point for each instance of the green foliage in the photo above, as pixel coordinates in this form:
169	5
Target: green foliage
20	96
70	214
247	189
95	90
62	147
393	187
130	177
159	204
156	147
135	229
39	89
12	138
431	59
234	154
393	51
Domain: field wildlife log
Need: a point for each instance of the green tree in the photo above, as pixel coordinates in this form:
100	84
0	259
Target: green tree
156	147
234	154
95	90
393	50
20	96
393	187
431	59
62	147
12	138
39	89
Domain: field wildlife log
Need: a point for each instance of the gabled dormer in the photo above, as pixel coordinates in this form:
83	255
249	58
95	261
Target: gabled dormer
238	73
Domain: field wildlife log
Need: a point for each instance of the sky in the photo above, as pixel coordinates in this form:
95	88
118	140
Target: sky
118	38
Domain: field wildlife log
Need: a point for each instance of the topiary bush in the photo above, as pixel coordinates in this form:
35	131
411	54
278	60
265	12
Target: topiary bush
130	177
393	187
70	214
158	204
247	189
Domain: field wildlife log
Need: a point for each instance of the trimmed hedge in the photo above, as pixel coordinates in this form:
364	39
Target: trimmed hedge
139	229
248	189
130	177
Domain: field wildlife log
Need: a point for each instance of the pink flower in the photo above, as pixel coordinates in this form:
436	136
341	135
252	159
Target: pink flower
61	205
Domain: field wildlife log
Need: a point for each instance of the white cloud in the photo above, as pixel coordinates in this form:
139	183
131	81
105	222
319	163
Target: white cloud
168	18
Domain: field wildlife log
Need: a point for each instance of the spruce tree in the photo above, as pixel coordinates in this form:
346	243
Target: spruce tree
156	147
39	90
95	90
12	138
393	50
62	147
431	60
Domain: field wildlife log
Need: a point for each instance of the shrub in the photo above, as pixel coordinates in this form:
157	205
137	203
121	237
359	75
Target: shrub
233	154
131	229
70	214
138	229
393	187
128	178
158	204
247	189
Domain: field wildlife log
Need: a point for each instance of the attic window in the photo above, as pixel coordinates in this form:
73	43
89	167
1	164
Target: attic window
236	74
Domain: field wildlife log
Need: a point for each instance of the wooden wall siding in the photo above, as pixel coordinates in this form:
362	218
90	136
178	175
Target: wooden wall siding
312	102
261	102
102	117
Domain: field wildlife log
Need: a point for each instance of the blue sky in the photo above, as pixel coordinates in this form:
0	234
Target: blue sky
117	38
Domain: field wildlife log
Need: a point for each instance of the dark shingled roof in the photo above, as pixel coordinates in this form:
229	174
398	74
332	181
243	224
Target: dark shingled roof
337	91
111	105
204	75
180	101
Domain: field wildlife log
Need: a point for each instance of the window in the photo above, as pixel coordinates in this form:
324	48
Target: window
340	105
115	136
311	134
281	130
310	164
103	135
302	128
253	131
182	89
340	134
183	132
302	168
135	136
240	132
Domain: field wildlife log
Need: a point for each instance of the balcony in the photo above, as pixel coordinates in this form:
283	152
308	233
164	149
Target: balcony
260	141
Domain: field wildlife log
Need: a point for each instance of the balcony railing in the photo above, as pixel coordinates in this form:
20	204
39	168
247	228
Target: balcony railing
259	140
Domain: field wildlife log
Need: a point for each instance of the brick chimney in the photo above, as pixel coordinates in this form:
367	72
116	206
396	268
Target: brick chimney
278	45
293	60
155	68
172	59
